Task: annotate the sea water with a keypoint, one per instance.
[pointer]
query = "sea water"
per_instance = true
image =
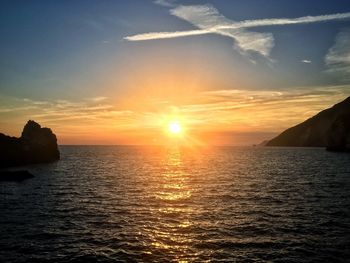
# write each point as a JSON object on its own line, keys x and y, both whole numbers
{"x": 158, "y": 204}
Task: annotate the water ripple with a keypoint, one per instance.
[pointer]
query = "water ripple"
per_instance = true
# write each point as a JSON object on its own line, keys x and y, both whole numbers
{"x": 149, "y": 204}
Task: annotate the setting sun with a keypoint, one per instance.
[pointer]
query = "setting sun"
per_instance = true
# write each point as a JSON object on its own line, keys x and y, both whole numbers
{"x": 174, "y": 127}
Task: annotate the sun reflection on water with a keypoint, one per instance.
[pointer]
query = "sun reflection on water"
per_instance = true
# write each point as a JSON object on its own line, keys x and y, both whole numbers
{"x": 170, "y": 235}
{"x": 174, "y": 179}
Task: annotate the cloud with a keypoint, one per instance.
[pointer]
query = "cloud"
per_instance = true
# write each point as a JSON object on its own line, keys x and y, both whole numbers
{"x": 164, "y": 35}
{"x": 293, "y": 21}
{"x": 97, "y": 99}
{"x": 208, "y": 20}
{"x": 94, "y": 110}
{"x": 338, "y": 56}
{"x": 166, "y": 3}
{"x": 16, "y": 109}
{"x": 306, "y": 61}
{"x": 268, "y": 110}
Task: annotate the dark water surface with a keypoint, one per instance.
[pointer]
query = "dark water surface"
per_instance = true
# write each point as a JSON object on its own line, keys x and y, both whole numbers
{"x": 142, "y": 204}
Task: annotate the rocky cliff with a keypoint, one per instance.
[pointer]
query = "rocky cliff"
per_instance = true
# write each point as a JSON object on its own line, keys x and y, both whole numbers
{"x": 36, "y": 145}
{"x": 330, "y": 128}
{"x": 339, "y": 134}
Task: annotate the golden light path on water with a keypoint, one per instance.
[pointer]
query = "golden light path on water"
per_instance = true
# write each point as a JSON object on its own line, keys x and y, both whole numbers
{"x": 175, "y": 189}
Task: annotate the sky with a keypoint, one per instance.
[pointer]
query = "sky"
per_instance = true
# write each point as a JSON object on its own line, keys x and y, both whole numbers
{"x": 117, "y": 72}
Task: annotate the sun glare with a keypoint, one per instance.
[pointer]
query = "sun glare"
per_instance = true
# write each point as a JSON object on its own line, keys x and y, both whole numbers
{"x": 174, "y": 127}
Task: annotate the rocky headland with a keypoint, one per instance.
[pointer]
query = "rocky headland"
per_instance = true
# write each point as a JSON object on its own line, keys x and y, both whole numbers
{"x": 36, "y": 145}
{"x": 329, "y": 128}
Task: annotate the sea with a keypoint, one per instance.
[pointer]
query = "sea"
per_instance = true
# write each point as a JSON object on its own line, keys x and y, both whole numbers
{"x": 177, "y": 204}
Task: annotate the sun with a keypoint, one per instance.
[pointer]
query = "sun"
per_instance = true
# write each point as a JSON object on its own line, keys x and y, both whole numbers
{"x": 174, "y": 127}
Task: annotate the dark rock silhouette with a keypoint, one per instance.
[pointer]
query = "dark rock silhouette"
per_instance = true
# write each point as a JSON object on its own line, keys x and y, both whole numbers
{"x": 15, "y": 176}
{"x": 330, "y": 128}
{"x": 339, "y": 135}
{"x": 36, "y": 145}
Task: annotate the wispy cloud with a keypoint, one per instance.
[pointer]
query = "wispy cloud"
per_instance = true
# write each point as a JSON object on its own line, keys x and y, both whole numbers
{"x": 268, "y": 110}
{"x": 97, "y": 99}
{"x": 306, "y": 61}
{"x": 166, "y": 3}
{"x": 164, "y": 35}
{"x": 338, "y": 56}
{"x": 208, "y": 20}
{"x": 55, "y": 112}
{"x": 292, "y": 21}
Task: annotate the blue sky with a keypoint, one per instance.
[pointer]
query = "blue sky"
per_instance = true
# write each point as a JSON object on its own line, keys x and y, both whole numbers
{"x": 49, "y": 45}
{"x": 77, "y": 50}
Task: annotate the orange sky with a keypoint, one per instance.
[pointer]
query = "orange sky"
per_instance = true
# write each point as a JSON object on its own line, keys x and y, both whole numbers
{"x": 220, "y": 117}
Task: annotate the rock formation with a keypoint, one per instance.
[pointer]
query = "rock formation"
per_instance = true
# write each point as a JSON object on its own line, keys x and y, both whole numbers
{"x": 339, "y": 135}
{"x": 36, "y": 145}
{"x": 15, "y": 176}
{"x": 329, "y": 128}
